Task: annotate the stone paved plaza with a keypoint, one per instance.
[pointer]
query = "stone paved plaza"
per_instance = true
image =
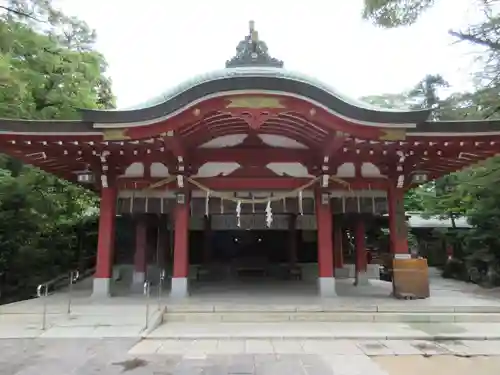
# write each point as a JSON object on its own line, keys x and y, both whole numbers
{"x": 259, "y": 357}
{"x": 99, "y": 338}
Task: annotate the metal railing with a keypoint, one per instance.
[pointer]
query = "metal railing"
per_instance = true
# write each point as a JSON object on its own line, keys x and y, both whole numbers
{"x": 42, "y": 290}
{"x": 160, "y": 287}
{"x": 147, "y": 293}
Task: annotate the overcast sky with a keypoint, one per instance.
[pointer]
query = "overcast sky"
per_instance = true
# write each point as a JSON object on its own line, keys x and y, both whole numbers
{"x": 151, "y": 45}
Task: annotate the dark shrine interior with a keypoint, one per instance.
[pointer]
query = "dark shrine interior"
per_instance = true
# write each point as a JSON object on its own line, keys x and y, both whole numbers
{"x": 226, "y": 246}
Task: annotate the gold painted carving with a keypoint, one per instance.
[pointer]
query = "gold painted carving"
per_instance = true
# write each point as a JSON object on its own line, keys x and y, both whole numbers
{"x": 255, "y": 102}
{"x": 393, "y": 135}
{"x": 114, "y": 135}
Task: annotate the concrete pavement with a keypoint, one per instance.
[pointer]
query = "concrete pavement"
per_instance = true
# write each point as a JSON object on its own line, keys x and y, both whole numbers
{"x": 134, "y": 327}
{"x": 251, "y": 357}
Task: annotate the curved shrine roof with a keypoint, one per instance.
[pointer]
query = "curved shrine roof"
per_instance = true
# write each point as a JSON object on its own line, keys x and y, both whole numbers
{"x": 253, "y": 70}
{"x": 255, "y": 79}
{"x": 329, "y": 127}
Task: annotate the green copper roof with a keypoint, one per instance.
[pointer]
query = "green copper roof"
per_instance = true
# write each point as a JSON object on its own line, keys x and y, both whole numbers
{"x": 252, "y": 59}
{"x": 252, "y": 71}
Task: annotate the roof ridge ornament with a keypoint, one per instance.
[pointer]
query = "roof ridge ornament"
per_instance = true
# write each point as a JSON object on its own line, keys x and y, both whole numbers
{"x": 252, "y": 51}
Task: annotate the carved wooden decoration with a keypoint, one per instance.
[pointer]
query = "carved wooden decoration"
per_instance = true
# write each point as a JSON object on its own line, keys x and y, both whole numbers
{"x": 255, "y": 102}
{"x": 255, "y": 110}
{"x": 115, "y": 135}
{"x": 393, "y": 135}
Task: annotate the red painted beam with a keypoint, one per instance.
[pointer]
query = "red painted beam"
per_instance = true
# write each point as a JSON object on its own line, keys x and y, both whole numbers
{"x": 333, "y": 143}
{"x": 49, "y": 137}
{"x": 174, "y": 145}
{"x": 261, "y": 155}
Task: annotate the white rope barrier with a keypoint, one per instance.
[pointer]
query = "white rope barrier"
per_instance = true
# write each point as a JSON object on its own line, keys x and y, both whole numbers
{"x": 253, "y": 201}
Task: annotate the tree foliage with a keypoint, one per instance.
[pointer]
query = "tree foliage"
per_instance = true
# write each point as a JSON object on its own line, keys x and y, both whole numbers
{"x": 393, "y": 13}
{"x": 472, "y": 193}
{"x": 485, "y": 35}
{"x": 48, "y": 69}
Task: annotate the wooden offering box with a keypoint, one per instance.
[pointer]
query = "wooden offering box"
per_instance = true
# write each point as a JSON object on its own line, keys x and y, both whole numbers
{"x": 410, "y": 278}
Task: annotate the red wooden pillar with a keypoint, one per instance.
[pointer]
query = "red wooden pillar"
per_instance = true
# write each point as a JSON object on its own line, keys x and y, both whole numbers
{"x": 140, "y": 259}
{"x": 105, "y": 243}
{"x": 361, "y": 277}
{"x": 398, "y": 231}
{"x": 338, "y": 259}
{"x": 326, "y": 280}
{"x": 292, "y": 240}
{"x": 180, "y": 272}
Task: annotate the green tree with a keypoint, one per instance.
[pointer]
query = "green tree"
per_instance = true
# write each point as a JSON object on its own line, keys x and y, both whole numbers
{"x": 48, "y": 69}
{"x": 484, "y": 34}
{"x": 425, "y": 94}
{"x": 389, "y": 101}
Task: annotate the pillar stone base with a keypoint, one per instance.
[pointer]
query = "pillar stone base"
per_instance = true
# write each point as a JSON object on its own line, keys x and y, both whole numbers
{"x": 179, "y": 287}
{"x": 326, "y": 286}
{"x": 101, "y": 288}
{"x": 362, "y": 279}
{"x": 138, "y": 279}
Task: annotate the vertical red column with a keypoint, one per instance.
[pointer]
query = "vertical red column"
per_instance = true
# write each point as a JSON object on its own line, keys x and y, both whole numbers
{"x": 361, "y": 254}
{"x": 338, "y": 259}
{"x": 292, "y": 240}
{"x": 105, "y": 243}
{"x": 398, "y": 231}
{"x": 324, "y": 220}
{"x": 141, "y": 228}
{"x": 179, "y": 286}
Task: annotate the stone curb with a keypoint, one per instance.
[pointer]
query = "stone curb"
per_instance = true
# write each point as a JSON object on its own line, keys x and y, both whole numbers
{"x": 340, "y": 317}
{"x": 408, "y": 309}
{"x": 423, "y": 336}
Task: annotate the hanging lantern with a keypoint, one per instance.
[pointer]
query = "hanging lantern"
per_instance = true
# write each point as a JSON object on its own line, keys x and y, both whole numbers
{"x": 181, "y": 198}
{"x": 325, "y": 198}
{"x": 419, "y": 178}
{"x": 85, "y": 177}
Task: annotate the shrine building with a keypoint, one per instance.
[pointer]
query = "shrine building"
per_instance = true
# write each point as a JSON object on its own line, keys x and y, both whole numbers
{"x": 248, "y": 166}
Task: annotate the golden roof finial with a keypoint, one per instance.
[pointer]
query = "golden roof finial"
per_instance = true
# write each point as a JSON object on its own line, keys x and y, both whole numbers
{"x": 254, "y": 35}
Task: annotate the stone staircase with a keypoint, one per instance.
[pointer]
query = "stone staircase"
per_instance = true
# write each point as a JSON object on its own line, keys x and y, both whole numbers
{"x": 307, "y": 313}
